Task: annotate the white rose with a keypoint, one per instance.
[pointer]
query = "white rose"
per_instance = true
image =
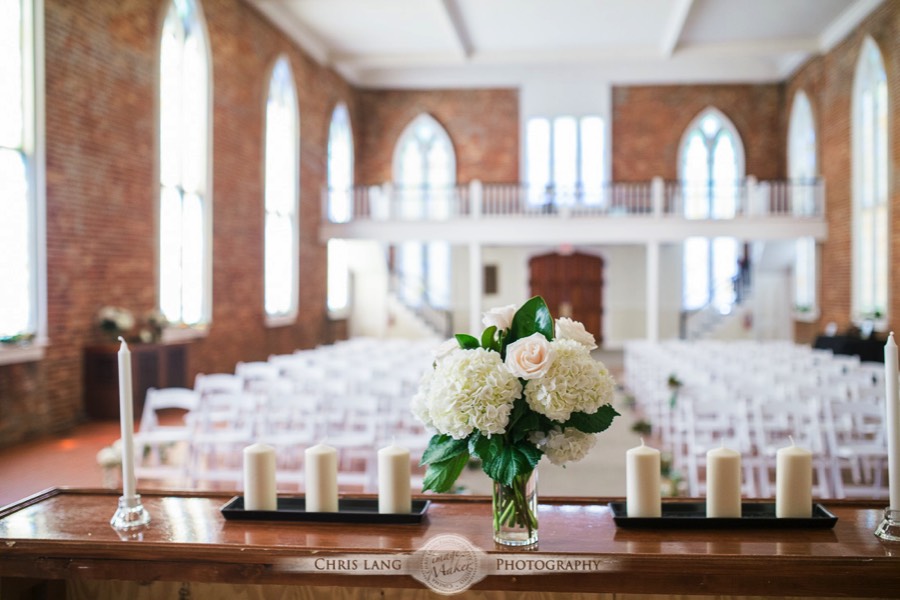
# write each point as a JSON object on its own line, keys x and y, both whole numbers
{"x": 444, "y": 350}
{"x": 501, "y": 317}
{"x": 529, "y": 357}
{"x": 567, "y": 329}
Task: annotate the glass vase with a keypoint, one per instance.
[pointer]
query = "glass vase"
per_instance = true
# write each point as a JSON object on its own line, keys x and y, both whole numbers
{"x": 515, "y": 511}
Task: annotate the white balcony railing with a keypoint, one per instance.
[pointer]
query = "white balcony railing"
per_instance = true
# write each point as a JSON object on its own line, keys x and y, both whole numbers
{"x": 655, "y": 198}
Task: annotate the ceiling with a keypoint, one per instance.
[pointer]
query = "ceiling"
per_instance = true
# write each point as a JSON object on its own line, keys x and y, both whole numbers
{"x": 485, "y": 43}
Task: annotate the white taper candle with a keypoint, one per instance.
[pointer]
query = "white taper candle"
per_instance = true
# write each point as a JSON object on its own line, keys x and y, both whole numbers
{"x": 892, "y": 414}
{"x": 126, "y": 420}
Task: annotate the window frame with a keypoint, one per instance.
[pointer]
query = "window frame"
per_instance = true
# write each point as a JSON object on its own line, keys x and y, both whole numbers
{"x": 290, "y": 316}
{"x": 34, "y": 149}
{"x": 870, "y": 56}
{"x": 548, "y": 193}
{"x": 179, "y": 331}
{"x": 802, "y": 125}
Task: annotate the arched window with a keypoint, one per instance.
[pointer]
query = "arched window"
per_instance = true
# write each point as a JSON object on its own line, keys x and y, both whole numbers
{"x": 711, "y": 167}
{"x": 22, "y": 306}
{"x": 425, "y": 174}
{"x": 282, "y": 160}
{"x": 340, "y": 207}
{"x": 185, "y": 221}
{"x": 802, "y": 171}
{"x": 870, "y": 185}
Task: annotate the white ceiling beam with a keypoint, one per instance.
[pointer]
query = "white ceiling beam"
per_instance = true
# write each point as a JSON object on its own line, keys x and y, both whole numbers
{"x": 281, "y": 15}
{"x": 838, "y": 29}
{"x": 674, "y": 26}
{"x": 458, "y": 24}
{"x": 753, "y": 48}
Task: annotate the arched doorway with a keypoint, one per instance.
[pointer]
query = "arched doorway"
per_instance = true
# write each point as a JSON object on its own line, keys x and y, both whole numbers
{"x": 572, "y": 285}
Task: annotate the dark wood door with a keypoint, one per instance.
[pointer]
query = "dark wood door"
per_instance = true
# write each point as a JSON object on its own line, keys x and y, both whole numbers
{"x": 572, "y": 285}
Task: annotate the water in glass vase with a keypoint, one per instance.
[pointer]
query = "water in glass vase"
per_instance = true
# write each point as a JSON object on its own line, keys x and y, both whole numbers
{"x": 515, "y": 511}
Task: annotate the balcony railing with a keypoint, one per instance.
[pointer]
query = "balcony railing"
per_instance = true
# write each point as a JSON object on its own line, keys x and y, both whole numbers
{"x": 655, "y": 198}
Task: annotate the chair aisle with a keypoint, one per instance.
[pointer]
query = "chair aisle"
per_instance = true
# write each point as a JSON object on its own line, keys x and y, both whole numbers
{"x": 754, "y": 397}
{"x": 353, "y": 395}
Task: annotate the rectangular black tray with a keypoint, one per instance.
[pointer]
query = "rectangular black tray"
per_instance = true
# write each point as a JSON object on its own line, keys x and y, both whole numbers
{"x": 692, "y": 515}
{"x": 350, "y": 510}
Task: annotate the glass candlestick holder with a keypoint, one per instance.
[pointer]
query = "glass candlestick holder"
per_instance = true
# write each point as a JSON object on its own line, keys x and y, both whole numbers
{"x": 130, "y": 513}
{"x": 889, "y": 528}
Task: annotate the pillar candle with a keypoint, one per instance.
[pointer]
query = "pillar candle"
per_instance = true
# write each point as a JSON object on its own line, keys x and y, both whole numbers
{"x": 126, "y": 420}
{"x": 642, "y": 473}
{"x": 394, "y": 488}
{"x": 259, "y": 478}
{"x": 321, "y": 479}
{"x": 893, "y": 420}
{"x": 723, "y": 483}
{"x": 793, "y": 482}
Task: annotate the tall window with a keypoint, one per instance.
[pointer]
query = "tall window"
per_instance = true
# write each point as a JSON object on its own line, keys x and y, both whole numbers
{"x": 340, "y": 190}
{"x": 184, "y": 130}
{"x": 21, "y": 187}
{"x": 282, "y": 194}
{"x": 802, "y": 171}
{"x": 870, "y": 185}
{"x": 425, "y": 174}
{"x": 564, "y": 160}
{"x": 711, "y": 166}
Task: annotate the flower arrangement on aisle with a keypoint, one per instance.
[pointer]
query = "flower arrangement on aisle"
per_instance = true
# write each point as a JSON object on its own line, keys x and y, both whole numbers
{"x": 115, "y": 321}
{"x": 527, "y": 388}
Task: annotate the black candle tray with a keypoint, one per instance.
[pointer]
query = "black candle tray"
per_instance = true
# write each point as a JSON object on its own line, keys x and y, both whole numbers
{"x": 692, "y": 515}
{"x": 350, "y": 510}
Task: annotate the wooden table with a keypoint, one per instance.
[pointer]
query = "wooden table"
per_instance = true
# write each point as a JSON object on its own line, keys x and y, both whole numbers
{"x": 64, "y": 535}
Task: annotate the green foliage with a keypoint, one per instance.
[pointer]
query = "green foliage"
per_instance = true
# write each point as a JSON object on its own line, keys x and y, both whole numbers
{"x": 595, "y": 423}
{"x": 532, "y": 317}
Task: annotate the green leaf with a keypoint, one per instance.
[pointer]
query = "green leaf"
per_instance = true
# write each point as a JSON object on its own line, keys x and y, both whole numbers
{"x": 510, "y": 461}
{"x": 441, "y": 476}
{"x": 528, "y": 423}
{"x": 467, "y": 342}
{"x": 485, "y": 447}
{"x": 443, "y": 447}
{"x": 532, "y": 317}
{"x": 595, "y": 423}
{"x": 487, "y": 337}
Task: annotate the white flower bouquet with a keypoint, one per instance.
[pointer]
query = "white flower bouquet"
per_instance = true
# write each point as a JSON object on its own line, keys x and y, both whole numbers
{"x": 528, "y": 388}
{"x": 115, "y": 321}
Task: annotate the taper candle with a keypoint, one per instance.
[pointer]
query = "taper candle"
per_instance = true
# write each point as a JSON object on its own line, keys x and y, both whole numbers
{"x": 642, "y": 474}
{"x": 793, "y": 482}
{"x": 723, "y": 483}
{"x": 259, "y": 478}
{"x": 126, "y": 420}
{"x": 321, "y": 479}
{"x": 394, "y": 487}
{"x": 892, "y": 414}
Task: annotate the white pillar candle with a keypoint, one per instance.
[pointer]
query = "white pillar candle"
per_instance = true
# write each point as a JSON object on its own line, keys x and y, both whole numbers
{"x": 259, "y": 478}
{"x": 642, "y": 474}
{"x": 893, "y": 420}
{"x": 793, "y": 482}
{"x": 394, "y": 488}
{"x": 126, "y": 420}
{"x": 723, "y": 483}
{"x": 321, "y": 479}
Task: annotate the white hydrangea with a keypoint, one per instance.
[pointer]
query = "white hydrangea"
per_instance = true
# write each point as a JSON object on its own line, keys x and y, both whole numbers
{"x": 575, "y": 382}
{"x": 560, "y": 447}
{"x": 468, "y": 390}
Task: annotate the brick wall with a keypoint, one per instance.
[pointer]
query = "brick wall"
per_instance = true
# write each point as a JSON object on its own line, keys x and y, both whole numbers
{"x": 828, "y": 81}
{"x": 483, "y": 126}
{"x": 648, "y": 122}
{"x": 101, "y": 69}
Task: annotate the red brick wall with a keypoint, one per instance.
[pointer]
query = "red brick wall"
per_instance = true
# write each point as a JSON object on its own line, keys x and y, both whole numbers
{"x": 101, "y": 70}
{"x": 828, "y": 81}
{"x": 483, "y": 126}
{"x": 648, "y": 122}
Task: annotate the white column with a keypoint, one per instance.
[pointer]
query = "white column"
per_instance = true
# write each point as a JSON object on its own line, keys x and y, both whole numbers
{"x": 653, "y": 291}
{"x": 476, "y": 198}
{"x": 657, "y": 195}
{"x": 476, "y": 288}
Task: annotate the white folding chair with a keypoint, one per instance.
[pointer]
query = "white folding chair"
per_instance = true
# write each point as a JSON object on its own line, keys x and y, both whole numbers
{"x": 164, "y": 435}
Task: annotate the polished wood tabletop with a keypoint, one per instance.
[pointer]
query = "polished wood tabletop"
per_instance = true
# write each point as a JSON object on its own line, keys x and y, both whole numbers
{"x": 65, "y": 533}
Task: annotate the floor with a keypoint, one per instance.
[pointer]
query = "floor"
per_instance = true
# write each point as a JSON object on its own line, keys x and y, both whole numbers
{"x": 71, "y": 460}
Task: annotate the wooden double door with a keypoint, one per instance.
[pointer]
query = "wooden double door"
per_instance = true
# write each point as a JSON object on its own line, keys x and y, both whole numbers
{"x": 572, "y": 286}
